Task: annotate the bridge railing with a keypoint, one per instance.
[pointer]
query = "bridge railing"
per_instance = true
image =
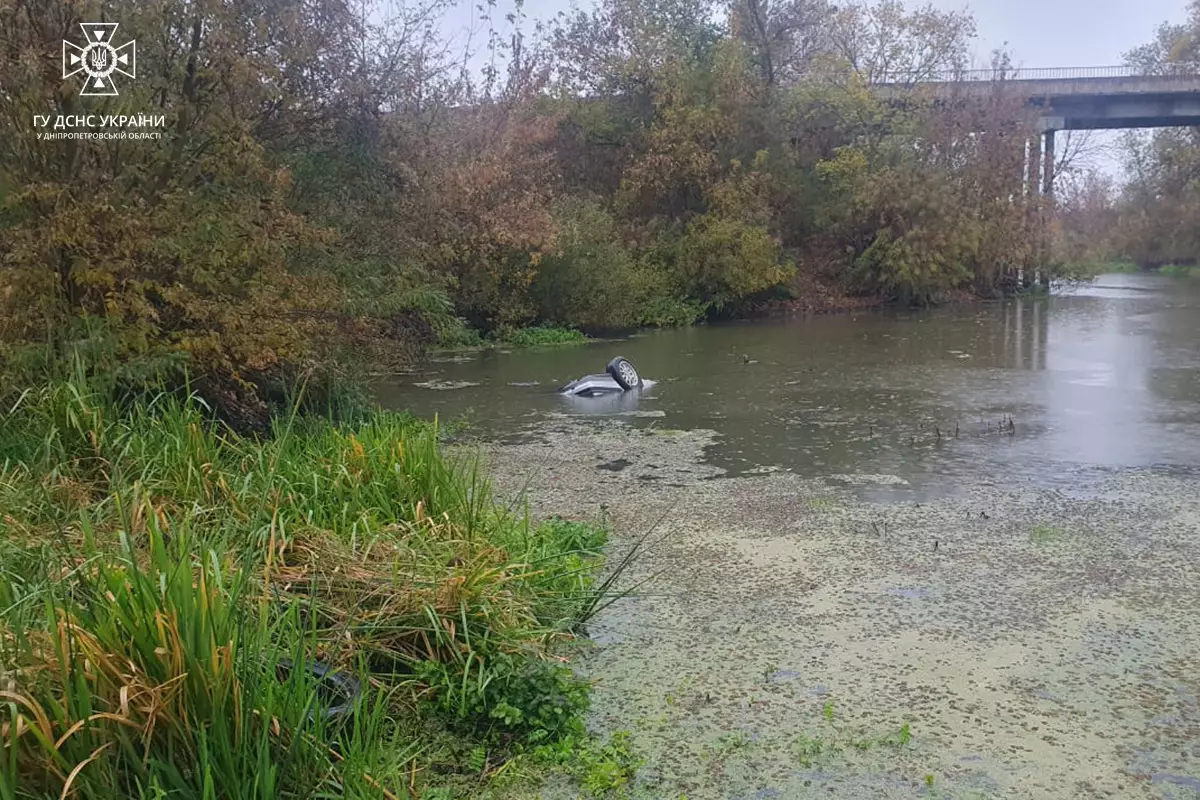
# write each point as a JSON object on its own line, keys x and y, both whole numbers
{"x": 1037, "y": 73}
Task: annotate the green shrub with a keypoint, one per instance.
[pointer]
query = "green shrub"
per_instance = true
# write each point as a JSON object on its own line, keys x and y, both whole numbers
{"x": 539, "y": 335}
{"x": 500, "y": 695}
{"x": 721, "y": 260}
{"x": 459, "y": 335}
{"x": 659, "y": 299}
{"x": 913, "y": 267}
{"x": 605, "y": 769}
{"x": 588, "y": 282}
{"x": 1180, "y": 271}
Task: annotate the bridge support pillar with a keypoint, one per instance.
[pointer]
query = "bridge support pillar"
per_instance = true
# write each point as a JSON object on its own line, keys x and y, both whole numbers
{"x": 1035, "y": 169}
{"x": 1047, "y": 210}
{"x": 1048, "y": 179}
{"x": 1034, "y": 165}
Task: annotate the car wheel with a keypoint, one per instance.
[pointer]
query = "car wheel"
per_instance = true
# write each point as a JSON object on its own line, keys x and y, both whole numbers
{"x": 336, "y": 690}
{"x": 624, "y": 374}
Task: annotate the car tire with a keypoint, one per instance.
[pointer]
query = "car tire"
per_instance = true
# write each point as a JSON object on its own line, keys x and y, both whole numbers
{"x": 339, "y": 690}
{"x": 624, "y": 373}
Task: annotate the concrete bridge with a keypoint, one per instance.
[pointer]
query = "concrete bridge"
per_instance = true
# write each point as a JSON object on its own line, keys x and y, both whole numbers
{"x": 1073, "y": 98}
{"x": 1067, "y": 99}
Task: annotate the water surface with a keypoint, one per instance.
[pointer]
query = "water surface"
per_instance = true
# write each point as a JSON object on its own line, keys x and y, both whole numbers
{"x": 1047, "y": 392}
{"x": 1028, "y": 615}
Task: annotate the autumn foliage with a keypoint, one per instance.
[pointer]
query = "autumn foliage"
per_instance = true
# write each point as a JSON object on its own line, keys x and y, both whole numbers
{"x": 334, "y": 182}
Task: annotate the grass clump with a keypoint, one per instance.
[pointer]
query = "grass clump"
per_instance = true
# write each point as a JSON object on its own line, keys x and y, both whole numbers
{"x": 810, "y": 748}
{"x": 540, "y": 335}
{"x": 1089, "y": 270}
{"x": 1045, "y": 534}
{"x": 602, "y": 768}
{"x": 173, "y": 598}
{"x": 1180, "y": 271}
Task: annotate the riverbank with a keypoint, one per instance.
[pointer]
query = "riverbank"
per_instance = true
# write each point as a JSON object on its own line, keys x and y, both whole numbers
{"x": 796, "y": 640}
{"x": 812, "y": 295}
{"x": 816, "y": 297}
{"x": 329, "y": 609}
{"x": 1091, "y": 270}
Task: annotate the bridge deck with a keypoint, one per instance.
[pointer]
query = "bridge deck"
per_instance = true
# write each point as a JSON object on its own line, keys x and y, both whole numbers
{"x": 1065, "y": 87}
{"x": 1066, "y": 101}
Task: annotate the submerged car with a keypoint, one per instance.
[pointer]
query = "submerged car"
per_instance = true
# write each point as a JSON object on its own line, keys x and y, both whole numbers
{"x": 619, "y": 377}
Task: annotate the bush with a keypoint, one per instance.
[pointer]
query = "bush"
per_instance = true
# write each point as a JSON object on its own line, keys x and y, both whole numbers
{"x": 721, "y": 260}
{"x": 913, "y": 267}
{"x": 460, "y": 335}
{"x": 540, "y": 335}
{"x": 659, "y": 299}
{"x": 589, "y": 281}
{"x": 502, "y": 696}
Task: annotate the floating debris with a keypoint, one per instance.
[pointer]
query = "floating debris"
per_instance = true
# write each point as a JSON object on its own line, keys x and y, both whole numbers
{"x": 745, "y": 588}
{"x": 764, "y": 470}
{"x": 444, "y": 386}
{"x": 860, "y": 479}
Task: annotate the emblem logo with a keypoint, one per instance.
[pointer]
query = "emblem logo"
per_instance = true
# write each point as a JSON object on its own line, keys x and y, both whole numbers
{"x": 99, "y": 59}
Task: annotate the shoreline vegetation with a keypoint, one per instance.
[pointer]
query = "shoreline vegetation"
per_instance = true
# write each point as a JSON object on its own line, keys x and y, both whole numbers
{"x": 183, "y": 609}
{"x": 532, "y": 336}
{"x": 1089, "y": 270}
{"x": 821, "y": 299}
{"x": 816, "y": 298}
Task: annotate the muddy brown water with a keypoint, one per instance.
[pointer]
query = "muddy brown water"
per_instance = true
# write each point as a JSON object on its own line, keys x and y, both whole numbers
{"x": 983, "y": 525}
{"x": 1099, "y": 377}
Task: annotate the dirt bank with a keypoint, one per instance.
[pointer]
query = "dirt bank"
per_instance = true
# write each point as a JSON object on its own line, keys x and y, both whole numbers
{"x": 799, "y": 642}
{"x": 816, "y": 294}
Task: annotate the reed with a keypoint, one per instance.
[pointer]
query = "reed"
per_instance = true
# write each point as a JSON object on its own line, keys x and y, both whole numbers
{"x": 172, "y": 593}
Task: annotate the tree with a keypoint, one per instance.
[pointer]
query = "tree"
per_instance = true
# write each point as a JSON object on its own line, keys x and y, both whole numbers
{"x": 887, "y": 42}
{"x": 785, "y": 38}
{"x": 1160, "y": 202}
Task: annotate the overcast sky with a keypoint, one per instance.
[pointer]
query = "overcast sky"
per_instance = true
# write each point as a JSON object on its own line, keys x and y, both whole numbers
{"x": 1038, "y": 33}
{"x": 1066, "y": 33}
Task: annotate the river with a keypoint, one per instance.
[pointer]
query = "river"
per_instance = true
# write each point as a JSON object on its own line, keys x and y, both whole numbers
{"x": 948, "y": 554}
{"x": 1097, "y": 377}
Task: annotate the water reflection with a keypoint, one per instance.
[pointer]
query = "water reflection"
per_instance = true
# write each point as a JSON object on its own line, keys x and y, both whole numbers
{"x": 605, "y": 404}
{"x": 1044, "y": 390}
{"x": 1026, "y": 326}
{"x": 1096, "y": 404}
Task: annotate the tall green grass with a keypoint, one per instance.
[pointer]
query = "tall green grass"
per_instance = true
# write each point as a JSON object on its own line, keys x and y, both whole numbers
{"x": 535, "y": 336}
{"x": 166, "y": 587}
{"x": 1088, "y": 270}
{"x": 1180, "y": 271}
{"x": 540, "y": 335}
